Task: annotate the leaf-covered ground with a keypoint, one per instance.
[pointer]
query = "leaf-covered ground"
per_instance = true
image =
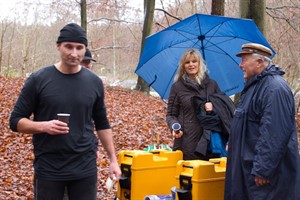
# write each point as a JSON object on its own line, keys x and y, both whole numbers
{"x": 138, "y": 120}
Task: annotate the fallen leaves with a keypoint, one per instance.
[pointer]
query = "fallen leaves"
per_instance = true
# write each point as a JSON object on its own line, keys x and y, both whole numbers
{"x": 137, "y": 120}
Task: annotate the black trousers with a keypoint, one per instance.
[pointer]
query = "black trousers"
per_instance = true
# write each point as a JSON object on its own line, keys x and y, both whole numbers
{"x": 82, "y": 189}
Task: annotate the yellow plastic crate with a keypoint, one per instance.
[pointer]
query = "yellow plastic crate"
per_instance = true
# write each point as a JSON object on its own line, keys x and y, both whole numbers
{"x": 200, "y": 180}
{"x": 147, "y": 173}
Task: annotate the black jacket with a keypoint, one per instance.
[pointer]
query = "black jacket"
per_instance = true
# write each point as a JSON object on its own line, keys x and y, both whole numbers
{"x": 218, "y": 120}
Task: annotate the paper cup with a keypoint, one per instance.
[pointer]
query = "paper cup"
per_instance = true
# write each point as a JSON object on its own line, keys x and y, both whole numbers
{"x": 64, "y": 117}
{"x": 176, "y": 127}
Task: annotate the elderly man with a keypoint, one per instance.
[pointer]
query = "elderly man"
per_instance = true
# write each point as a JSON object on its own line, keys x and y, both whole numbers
{"x": 65, "y": 153}
{"x": 263, "y": 159}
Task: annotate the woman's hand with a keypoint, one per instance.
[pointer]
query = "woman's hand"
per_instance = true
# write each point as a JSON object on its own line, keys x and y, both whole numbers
{"x": 208, "y": 106}
{"x": 177, "y": 134}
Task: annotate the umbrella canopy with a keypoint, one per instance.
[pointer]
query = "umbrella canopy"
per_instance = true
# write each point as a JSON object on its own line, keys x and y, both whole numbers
{"x": 217, "y": 38}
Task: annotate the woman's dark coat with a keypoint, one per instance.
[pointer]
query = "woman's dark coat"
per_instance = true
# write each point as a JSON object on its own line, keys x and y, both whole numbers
{"x": 263, "y": 141}
{"x": 180, "y": 110}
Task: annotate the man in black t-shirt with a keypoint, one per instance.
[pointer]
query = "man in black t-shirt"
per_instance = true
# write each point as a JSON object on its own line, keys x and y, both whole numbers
{"x": 65, "y": 153}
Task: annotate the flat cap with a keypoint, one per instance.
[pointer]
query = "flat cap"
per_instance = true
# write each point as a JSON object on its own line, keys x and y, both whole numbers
{"x": 255, "y": 48}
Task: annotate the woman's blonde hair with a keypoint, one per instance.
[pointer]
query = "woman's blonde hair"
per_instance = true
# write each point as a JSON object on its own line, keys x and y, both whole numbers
{"x": 186, "y": 56}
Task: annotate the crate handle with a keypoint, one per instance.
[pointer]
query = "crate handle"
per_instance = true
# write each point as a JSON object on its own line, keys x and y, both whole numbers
{"x": 127, "y": 155}
{"x": 215, "y": 162}
{"x": 188, "y": 166}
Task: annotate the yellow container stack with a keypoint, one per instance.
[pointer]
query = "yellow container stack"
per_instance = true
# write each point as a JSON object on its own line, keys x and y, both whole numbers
{"x": 200, "y": 180}
{"x": 146, "y": 173}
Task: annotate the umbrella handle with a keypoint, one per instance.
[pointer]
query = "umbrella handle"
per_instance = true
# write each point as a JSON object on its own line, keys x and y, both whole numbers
{"x": 155, "y": 77}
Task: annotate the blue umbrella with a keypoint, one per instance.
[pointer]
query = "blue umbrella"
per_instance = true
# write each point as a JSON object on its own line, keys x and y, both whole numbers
{"x": 218, "y": 39}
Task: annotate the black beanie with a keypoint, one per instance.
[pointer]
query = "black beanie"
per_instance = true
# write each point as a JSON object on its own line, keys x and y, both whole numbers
{"x": 72, "y": 33}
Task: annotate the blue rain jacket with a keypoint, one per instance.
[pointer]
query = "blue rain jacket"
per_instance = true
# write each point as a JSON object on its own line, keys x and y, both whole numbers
{"x": 263, "y": 141}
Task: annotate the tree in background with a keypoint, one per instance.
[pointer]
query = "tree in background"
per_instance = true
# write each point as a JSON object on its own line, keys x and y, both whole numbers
{"x": 252, "y": 9}
{"x": 147, "y": 28}
{"x": 218, "y": 7}
{"x": 83, "y": 14}
{"x": 3, "y": 29}
{"x": 256, "y": 10}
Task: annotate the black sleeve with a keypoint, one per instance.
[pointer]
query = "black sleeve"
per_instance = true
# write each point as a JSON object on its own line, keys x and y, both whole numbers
{"x": 173, "y": 107}
{"x": 99, "y": 110}
{"x": 25, "y": 103}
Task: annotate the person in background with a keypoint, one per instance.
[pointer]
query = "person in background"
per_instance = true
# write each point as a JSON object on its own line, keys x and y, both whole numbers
{"x": 191, "y": 79}
{"x": 263, "y": 159}
{"x": 87, "y": 60}
{"x": 65, "y": 153}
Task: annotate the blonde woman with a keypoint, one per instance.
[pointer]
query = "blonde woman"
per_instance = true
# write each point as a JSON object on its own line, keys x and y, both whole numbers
{"x": 191, "y": 79}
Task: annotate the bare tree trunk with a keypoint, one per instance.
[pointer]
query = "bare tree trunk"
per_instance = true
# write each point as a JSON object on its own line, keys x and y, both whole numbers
{"x": 217, "y": 7}
{"x": 4, "y": 26}
{"x": 252, "y": 9}
{"x": 149, "y": 13}
{"x": 9, "y": 49}
{"x": 83, "y": 14}
{"x": 193, "y": 6}
{"x": 25, "y": 51}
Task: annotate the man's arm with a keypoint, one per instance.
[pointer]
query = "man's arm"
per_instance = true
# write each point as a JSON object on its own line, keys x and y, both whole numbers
{"x": 106, "y": 139}
{"x": 53, "y": 127}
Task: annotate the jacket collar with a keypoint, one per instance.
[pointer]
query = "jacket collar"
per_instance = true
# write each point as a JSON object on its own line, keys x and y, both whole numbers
{"x": 270, "y": 70}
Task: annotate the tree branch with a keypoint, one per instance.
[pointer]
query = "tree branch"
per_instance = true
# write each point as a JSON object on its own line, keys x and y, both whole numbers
{"x": 158, "y": 24}
{"x": 283, "y": 7}
{"x": 175, "y": 17}
{"x": 110, "y": 47}
{"x": 115, "y": 20}
{"x": 277, "y": 14}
